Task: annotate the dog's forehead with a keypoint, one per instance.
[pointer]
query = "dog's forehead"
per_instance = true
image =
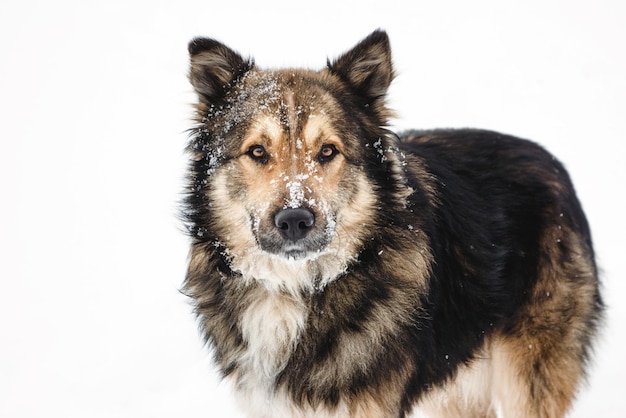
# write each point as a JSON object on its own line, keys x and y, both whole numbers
{"x": 276, "y": 83}
{"x": 287, "y": 102}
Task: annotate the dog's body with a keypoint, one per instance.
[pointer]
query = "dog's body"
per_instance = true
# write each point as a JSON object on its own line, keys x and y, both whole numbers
{"x": 339, "y": 270}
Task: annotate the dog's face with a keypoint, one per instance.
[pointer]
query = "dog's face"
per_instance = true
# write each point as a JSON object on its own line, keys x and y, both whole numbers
{"x": 280, "y": 156}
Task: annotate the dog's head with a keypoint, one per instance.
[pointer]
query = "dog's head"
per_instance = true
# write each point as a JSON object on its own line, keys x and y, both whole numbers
{"x": 283, "y": 159}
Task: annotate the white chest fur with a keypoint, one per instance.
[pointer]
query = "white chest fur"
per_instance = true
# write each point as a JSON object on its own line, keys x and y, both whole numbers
{"x": 271, "y": 326}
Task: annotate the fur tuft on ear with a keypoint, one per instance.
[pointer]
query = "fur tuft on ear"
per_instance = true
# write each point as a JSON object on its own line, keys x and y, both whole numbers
{"x": 367, "y": 67}
{"x": 214, "y": 68}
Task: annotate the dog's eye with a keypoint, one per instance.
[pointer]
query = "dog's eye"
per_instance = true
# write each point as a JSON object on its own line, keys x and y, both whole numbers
{"x": 327, "y": 153}
{"x": 258, "y": 153}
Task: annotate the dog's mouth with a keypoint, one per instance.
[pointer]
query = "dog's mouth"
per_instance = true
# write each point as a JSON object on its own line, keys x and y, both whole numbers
{"x": 295, "y": 233}
{"x": 295, "y": 252}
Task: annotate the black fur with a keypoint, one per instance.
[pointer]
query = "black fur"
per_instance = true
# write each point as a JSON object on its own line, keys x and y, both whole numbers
{"x": 493, "y": 209}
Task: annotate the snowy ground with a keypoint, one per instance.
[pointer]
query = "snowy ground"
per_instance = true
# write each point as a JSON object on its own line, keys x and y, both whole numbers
{"x": 94, "y": 103}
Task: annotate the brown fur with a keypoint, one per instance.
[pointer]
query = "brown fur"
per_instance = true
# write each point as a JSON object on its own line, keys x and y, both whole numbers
{"x": 451, "y": 270}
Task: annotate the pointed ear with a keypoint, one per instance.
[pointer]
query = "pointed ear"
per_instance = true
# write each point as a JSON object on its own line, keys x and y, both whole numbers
{"x": 367, "y": 67}
{"x": 214, "y": 68}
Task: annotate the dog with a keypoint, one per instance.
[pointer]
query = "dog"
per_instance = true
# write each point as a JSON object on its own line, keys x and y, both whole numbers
{"x": 340, "y": 270}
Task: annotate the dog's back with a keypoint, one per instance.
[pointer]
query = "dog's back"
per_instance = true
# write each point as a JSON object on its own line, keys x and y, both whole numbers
{"x": 518, "y": 257}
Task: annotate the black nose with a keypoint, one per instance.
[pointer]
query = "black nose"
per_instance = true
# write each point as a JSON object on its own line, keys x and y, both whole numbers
{"x": 294, "y": 223}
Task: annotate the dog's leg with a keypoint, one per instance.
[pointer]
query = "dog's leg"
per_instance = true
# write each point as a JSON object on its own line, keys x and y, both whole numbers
{"x": 536, "y": 384}
{"x": 466, "y": 395}
{"x": 539, "y": 362}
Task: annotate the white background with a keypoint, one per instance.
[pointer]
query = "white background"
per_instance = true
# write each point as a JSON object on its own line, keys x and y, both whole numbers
{"x": 94, "y": 104}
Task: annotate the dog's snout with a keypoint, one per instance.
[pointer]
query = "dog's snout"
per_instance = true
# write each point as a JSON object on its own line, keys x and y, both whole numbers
{"x": 294, "y": 223}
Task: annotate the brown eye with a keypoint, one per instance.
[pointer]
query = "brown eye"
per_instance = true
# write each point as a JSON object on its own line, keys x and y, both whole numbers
{"x": 258, "y": 153}
{"x": 327, "y": 153}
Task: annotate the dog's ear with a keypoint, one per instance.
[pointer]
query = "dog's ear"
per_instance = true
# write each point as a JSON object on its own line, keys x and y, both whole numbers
{"x": 367, "y": 67}
{"x": 215, "y": 68}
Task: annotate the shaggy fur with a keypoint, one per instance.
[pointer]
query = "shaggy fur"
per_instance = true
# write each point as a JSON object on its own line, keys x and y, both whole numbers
{"x": 340, "y": 270}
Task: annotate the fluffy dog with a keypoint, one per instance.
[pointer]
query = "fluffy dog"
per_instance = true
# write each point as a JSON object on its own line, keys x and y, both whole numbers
{"x": 341, "y": 270}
